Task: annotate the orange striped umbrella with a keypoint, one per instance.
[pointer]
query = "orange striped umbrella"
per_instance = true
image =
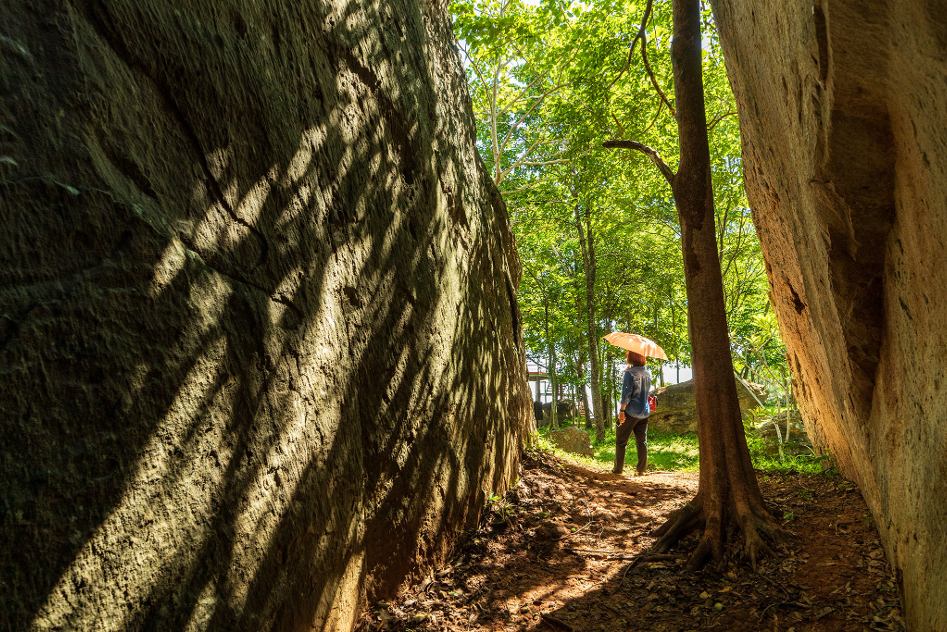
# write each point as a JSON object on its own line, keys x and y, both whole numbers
{"x": 636, "y": 343}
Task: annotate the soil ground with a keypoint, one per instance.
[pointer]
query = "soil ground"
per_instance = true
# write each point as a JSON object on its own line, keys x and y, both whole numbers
{"x": 562, "y": 551}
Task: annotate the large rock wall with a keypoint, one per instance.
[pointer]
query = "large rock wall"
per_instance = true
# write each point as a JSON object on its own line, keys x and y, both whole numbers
{"x": 843, "y": 112}
{"x": 260, "y": 350}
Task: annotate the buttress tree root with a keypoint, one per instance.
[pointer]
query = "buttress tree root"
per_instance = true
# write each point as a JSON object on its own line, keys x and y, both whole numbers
{"x": 720, "y": 521}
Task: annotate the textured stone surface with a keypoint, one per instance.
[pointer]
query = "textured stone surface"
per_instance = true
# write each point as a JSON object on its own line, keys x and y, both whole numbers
{"x": 677, "y": 406}
{"x": 259, "y": 345}
{"x": 571, "y": 439}
{"x": 842, "y": 107}
{"x": 565, "y": 410}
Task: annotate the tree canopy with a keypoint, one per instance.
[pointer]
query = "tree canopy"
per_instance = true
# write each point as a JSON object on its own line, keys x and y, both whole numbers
{"x": 597, "y": 232}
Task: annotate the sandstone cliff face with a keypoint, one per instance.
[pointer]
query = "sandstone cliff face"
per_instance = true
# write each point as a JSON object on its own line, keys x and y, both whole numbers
{"x": 260, "y": 347}
{"x": 842, "y": 108}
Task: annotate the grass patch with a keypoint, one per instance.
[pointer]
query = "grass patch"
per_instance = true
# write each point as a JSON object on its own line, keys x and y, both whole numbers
{"x": 763, "y": 458}
{"x": 668, "y": 451}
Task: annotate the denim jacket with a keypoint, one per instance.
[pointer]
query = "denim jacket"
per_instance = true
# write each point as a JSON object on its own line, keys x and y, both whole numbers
{"x": 634, "y": 391}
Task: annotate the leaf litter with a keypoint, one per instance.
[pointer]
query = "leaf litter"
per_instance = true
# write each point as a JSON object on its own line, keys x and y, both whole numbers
{"x": 566, "y": 550}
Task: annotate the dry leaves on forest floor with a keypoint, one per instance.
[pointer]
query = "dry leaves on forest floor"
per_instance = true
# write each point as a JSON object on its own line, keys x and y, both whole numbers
{"x": 561, "y": 552}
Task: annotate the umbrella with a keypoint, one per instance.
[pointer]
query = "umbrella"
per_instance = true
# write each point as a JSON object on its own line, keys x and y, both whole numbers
{"x": 636, "y": 343}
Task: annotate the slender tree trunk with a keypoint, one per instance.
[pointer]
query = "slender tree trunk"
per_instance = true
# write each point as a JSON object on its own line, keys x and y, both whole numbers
{"x": 587, "y": 246}
{"x": 612, "y": 387}
{"x": 606, "y": 404}
{"x": 786, "y": 392}
{"x": 551, "y": 367}
{"x": 580, "y": 369}
{"x": 728, "y": 494}
{"x": 575, "y": 398}
{"x": 606, "y": 381}
{"x": 553, "y": 385}
{"x": 580, "y": 365}
{"x": 660, "y": 362}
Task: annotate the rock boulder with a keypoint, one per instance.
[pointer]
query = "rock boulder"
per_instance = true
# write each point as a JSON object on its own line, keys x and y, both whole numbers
{"x": 259, "y": 314}
{"x": 564, "y": 410}
{"x": 842, "y": 107}
{"x": 677, "y": 411}
{"x": 573, "y": 440}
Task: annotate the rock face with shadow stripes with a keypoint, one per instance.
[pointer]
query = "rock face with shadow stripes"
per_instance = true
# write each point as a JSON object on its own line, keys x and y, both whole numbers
{"x": 842, "y": 106}
{"x": 261, "y": 353}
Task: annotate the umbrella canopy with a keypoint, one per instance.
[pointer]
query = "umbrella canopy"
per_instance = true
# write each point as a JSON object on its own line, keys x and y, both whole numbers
{"x": 636, "y": 343}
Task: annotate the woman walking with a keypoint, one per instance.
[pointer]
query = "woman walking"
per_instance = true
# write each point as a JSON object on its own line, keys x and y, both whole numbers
{"x": 634, "y": 413}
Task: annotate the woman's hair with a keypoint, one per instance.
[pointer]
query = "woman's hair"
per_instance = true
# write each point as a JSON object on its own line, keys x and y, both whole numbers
{"x": 635, "y": 358}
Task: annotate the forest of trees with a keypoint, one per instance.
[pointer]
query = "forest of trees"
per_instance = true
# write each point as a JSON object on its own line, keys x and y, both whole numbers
{"x": 597, "y": 230}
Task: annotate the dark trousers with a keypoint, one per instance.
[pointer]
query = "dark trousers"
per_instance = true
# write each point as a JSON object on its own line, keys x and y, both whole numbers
{"x": 638, "y": 425}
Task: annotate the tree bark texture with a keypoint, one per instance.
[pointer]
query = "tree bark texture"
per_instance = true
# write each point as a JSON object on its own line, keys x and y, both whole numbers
{"x": 260, "y": 347}
{"x": 587, "y": 245}
{"x": 842, "y": 110}
{"x": 728, "y": 492}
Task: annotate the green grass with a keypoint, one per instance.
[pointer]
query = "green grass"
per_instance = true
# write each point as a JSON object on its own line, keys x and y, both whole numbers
{"x": 666, "y": 451}
{"x": 674, "y": 452}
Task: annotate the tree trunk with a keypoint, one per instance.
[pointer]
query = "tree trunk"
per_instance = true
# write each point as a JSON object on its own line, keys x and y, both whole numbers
{"x": 587, "y": 246}
{"x": 580, "y": 366}
{"x": 551, "y": 368}
{"x": 728, "y": 494}
{"x": 660, "y": 362}
{"x": 606, "y": 407}
{"x": 610, "y": 393}
{"x": 580, "y": 369}
{"x": 553, "y": 386}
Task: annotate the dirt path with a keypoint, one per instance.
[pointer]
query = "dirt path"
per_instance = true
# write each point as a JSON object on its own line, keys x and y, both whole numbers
{"x": 560, "y": 553}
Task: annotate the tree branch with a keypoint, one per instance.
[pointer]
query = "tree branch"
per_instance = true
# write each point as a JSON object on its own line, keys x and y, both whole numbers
{"x": 654, "y": 81}
{"x": 523, "y": 94}
{"x": 654, "y": 120}
{"x": 522, "y": 117}
{"x": 647, "y": 151}
{"x": 473, "y": 64}
{"x": 558, "y": 161}
{"x": 631, "y": 49}
{"x": 717, "y": 119}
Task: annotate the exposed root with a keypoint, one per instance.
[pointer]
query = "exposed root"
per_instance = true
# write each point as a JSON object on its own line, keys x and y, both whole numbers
{"x": 709, "y": 548}
{"x": 773, "y": 531}
{"x": 680, "y": 523}
{"x": 753, "y": 545}
{"x": 754, "y": 526}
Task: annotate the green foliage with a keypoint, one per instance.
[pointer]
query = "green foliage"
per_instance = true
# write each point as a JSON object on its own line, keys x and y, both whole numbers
{"x": 550, "y": 81}
{"x": 765, "y": 460}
